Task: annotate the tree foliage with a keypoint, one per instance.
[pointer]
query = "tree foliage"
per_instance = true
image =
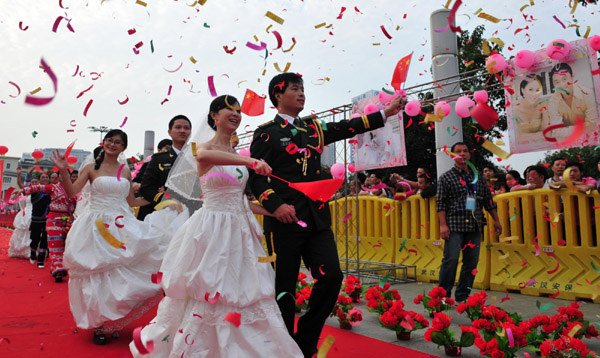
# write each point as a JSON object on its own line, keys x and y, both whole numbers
{"x": 587, "y": 156}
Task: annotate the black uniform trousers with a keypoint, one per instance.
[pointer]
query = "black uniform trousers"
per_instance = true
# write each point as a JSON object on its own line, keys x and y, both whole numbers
{"x": 319, "y": 252}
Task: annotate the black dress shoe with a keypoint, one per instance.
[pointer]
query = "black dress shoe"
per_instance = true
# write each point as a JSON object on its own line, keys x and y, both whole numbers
{"x": 58, "y": 277}
{"x": 99, "y": 338}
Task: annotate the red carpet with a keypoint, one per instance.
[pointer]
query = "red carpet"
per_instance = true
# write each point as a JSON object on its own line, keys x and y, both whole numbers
{"x": 35, "y": 321}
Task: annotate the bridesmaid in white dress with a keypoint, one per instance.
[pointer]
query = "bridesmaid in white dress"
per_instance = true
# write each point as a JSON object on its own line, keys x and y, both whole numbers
{"x": 20, "y": 240}
{"x": 111, "y": 256}
{"x": 220, "y": 300}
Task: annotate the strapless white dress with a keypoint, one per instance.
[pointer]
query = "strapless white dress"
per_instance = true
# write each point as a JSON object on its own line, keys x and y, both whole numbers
{"x": 216, "y": 253}
{"x": 20, "y": 240}
{"x": 110, "y": 286}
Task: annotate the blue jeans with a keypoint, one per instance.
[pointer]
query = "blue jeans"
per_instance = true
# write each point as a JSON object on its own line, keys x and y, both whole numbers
{"x": 452, "y": 248}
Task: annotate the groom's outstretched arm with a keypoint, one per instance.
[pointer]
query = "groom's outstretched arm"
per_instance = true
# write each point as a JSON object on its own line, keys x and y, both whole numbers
{"x": 259, "y": 184}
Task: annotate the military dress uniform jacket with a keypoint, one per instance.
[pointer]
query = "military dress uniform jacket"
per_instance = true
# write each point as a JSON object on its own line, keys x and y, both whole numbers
{"x": 155, "y": 177}
{"x": 294, "y": 154}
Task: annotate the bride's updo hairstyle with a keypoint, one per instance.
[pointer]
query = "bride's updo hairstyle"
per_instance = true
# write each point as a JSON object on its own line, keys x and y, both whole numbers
{"x": 224, "y": 101}
{"x": 111, "y": 133}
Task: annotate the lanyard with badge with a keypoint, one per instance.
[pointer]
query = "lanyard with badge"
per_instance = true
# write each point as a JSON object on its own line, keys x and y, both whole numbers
{"x": 470, "y": 202}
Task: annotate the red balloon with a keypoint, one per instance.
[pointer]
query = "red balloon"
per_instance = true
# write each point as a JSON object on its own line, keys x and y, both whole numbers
{"x": 37, "y": 155}
{"x": 3, "y": 150}
{"x": 484, "y": 115}
{"x": 72, "y": 160}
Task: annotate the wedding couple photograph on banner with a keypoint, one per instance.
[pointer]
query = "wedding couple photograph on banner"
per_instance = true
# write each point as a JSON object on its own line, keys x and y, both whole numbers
{"x": 555, "y": 99}
{"x": 383, "y": 147}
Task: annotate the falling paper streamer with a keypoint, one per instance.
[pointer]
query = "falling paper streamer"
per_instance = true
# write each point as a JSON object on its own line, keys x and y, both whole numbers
{"x": 43, "y": 101}
{"x": 119, "y": 171}
{"x": 274, "y": 17}
{"x": 326, "y": 346}
{"x": 211, "y": 86}
{"x": 156, "y": 277}
{"x": 213, "y": 300}
{"x": 551, "y": 254}
{"x": 112, "y": 241}
{"x": 522, "y": 285}
{"x": 165, "y": 203}
{"x": 137, "y": 341}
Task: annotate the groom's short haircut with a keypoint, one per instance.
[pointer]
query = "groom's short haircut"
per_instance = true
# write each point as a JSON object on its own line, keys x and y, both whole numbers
{"x": 280, "y": 82}
{"x": 179, "y": 116}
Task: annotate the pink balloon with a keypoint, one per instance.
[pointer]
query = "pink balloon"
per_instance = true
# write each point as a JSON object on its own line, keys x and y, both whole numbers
{"x": 413, "y": 108}
{"x": 244, "y": 152}
{"x": 371, "y": 108}
{"x": 558, "y": 49}
{"x": 338, "y": 171}
{"x": 524, "y": 59}
{"x": 463, "y": 106}
{"x": 595, "y": 42}
{"x": 495, "y": 63}
{"x": 442, "y": 108}
{"x": 351, "y": 168}
{"x": 480, "y": 96}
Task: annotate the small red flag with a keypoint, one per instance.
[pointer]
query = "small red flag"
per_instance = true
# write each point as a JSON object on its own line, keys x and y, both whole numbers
{"x": 401, "y": 71}
{"x": 253, "y": 105}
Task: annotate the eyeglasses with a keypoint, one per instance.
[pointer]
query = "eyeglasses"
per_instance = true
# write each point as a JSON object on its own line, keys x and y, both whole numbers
{"x": 113, "y": 141}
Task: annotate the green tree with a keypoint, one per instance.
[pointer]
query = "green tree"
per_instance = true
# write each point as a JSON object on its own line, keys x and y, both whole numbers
{"x": 587, "y": 156}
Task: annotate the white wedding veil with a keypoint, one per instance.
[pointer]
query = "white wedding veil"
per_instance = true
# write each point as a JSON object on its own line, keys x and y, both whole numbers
{"x": 183, "y": 178}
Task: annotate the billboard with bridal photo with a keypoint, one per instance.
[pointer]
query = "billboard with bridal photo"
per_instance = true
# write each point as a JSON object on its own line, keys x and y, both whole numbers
{"x": 380, "y": 148}
{"x": 555, "y": 102}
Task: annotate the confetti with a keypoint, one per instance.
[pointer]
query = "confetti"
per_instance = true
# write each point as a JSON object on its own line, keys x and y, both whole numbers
{"x": 301, "y": 223}
{"x": 488, "y": 17}
{"x": 175, "y": 70}
{"x": 124, "y": 121}
{"x": 157, "y": 278}
{"x": 274, "y": 17}
{"x": 501, "y": 153}
{"x": 57, "y": 22}
{"x": 165, "y": 203}
{"x": 140, "y": 2}
{"x": 212, "y": 301}
{"x": 87, "y": 107}
{"x": 594, "y": 267}
{"x": 452, "y": 16}
{"x": 137, "y": 340}
{"x": 403, "y": 244}
{"x": 21, "y": 26}
{"x": 119, "y": 171}
{"x": 108, "y": 237}
{"x": 522, "y": 285}
{"x": 291, "y": 47}
{"x": 234, "y": 318}
{"x": 211, "y": 86}
{"x": 321, "y": 269}
{"x": 555, "y": 294}
{"x": 18, "y": 90}
{"x": 263, "y": 46}
{"x": 347, "y": 217}
{"x": 326, "y": 346}
{"x": 385, "y": 32}
{"x": 43, "y": 101}
{"x": 551, "y": 254}
{"x": 117, "y": 224}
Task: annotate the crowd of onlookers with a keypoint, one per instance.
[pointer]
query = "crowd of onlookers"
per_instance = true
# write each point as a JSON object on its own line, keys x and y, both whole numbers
{"x": 499, "y": 182}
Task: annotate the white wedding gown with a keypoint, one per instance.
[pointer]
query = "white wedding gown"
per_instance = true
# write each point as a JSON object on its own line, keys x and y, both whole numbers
{"x": 216, "y": 253}
{"x": 20, "y": 240}
{"x": 111, "y": 286}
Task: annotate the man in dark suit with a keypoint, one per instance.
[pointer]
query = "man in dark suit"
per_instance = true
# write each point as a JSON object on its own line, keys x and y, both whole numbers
{"x": 292, "y": 147}
{"x": 157, "y": 171}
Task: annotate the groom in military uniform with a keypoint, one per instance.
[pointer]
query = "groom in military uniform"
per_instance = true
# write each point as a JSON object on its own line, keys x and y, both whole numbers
{"x": 292, "y": 146}
{"x": 155, "y": 176}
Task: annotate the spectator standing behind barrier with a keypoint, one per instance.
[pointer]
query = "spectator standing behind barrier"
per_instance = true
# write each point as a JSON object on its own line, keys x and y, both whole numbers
{"x": 426, "y": 188}
{"x": 488, "y": 174}
{"x": 558, "y": 168}
{"x": 513, "y": 178}
{"x": 582, "y": 184}
{"x": 536, "y": 178}
{"x": 459, "y": 204}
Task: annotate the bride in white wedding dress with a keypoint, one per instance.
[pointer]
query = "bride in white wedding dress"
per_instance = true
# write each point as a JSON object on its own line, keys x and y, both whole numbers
{"x": 111, "y": 256}
{"x": 220, "y": 300}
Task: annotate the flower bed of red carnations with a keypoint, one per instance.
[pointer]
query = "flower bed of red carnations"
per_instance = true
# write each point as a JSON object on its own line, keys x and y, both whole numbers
{"x": 496, "y": 332}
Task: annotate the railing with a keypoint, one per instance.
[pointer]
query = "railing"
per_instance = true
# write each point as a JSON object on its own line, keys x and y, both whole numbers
{"x": 549, "y": 245}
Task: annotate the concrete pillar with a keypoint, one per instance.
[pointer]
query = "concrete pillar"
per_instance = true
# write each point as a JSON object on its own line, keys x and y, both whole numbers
{"x": 444, "y": 63}
{"x": 148, "y": 143}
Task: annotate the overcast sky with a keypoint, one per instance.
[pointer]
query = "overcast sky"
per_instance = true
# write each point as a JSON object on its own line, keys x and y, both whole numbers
{"x": 346, "y": 53}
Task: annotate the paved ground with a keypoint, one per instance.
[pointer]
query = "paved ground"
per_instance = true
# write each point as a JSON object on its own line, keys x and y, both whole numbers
{"x": 525, "y": 305}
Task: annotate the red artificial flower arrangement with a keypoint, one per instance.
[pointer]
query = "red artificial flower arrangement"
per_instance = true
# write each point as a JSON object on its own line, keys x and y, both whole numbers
{"x": 345, "y": 313}
{"x": 380, "y": 299}
{"x": 303, "y": 291}
{"x": 435, "y": 301}
{"x": 566, "y": 346}
{"x": 505, "y": 342}
{"x": 440, "y": 333}
{"x": 352, "y": 287}
{"x": 474, "y": 306}
{"x": 399, "y": 320}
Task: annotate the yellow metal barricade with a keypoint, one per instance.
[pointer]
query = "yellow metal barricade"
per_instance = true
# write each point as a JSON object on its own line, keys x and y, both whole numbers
{"x": 549, "y": 243}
